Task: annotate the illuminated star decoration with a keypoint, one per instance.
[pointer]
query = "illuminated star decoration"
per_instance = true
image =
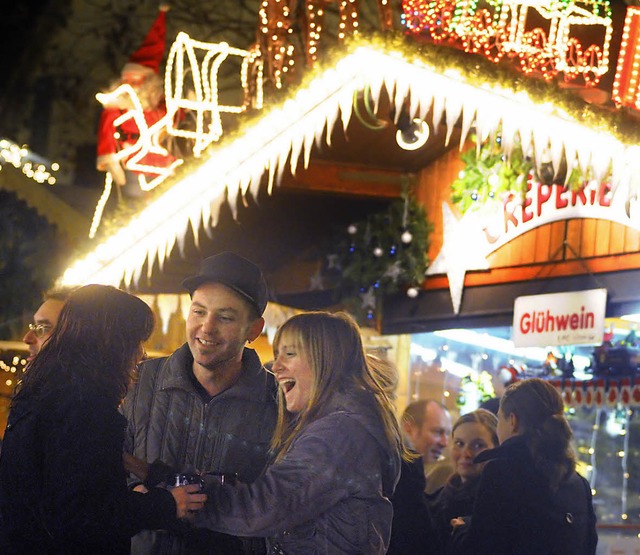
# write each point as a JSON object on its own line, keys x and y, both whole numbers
{"x": 369, "y": 298}
{"x": 316, "y": 282}
{"x": 394, "y": 271}
{"x": 333, "y": 261}
{"x": 460, "y": 252}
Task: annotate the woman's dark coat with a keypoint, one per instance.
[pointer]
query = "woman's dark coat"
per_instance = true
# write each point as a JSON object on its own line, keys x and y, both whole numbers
{"x": 62, "y": 482}
{"x": 516, "y": 513}
{"x": 453, "y": 500}
{"x": 412, "y": 531}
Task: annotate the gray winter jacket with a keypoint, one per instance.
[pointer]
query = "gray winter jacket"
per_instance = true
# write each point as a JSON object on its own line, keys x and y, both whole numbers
{"x": 168, "y": 420}
{"x": 327, "y": 495}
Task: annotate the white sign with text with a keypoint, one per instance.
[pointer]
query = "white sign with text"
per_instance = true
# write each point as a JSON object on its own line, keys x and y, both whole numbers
{"x": 575, "y": 318}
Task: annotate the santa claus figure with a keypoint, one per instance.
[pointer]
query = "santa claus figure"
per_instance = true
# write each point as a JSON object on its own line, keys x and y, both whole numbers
{"x": 124, "y": 149}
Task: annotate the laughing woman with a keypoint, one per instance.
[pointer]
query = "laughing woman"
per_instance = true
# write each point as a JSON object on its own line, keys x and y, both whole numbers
{"x": 337, "y": 449}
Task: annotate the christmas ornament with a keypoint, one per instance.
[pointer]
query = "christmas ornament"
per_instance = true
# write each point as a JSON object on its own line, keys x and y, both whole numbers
{"x": 391, "y": 266}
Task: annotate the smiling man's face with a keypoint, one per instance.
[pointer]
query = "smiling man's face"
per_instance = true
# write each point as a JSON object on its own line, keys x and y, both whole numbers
{"x": 219, "y": 324}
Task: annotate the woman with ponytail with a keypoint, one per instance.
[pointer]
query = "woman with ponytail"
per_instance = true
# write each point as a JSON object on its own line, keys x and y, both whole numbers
{"x": 530, "y": 500}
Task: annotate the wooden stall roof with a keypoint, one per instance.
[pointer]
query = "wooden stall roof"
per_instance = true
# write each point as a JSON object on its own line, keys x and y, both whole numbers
{"x": 312, "y": 162}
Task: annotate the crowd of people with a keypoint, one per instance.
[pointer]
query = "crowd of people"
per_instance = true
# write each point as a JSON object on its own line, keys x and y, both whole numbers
{"x": 208, "y": 451}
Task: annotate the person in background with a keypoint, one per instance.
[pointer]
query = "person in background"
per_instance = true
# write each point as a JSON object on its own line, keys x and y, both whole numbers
{"x": 45, "y": 319}
{"x": 63, "y": 486}
{"x": 411, "y": 529}
{"x": 210, "y": 406}
{"x": 337, "y": 449}
{"x": 427, "y": 426}
{"x": 530, "y": 498}
{"x": 473, "y": 433}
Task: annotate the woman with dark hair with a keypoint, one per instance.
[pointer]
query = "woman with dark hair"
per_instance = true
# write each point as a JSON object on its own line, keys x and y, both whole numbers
{"x": 336, "y": 446}
{"x": 62, "y": 481}
{"x": 530, "y": 499}
{"x": 473, "y": 433}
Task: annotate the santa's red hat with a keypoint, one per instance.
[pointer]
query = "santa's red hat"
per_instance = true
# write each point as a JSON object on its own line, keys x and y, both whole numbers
{"x": 148, "y": 57}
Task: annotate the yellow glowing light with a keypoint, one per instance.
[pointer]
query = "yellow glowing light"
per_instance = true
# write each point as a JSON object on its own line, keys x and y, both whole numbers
{"x": 22, "y": 158}
{"x": 285, "y": 137}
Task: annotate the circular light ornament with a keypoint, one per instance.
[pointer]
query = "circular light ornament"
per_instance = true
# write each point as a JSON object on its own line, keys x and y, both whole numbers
{"x": 414, "y": 136}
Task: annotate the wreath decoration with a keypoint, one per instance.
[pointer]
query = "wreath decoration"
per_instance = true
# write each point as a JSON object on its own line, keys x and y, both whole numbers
{"x": 380, "y": 255}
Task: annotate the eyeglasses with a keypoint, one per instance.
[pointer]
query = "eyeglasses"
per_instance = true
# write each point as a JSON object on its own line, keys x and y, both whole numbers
{"x": 40, "y": 330}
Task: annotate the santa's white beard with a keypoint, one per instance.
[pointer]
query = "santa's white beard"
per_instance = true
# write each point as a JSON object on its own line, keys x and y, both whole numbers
{"x": 150, "y": 93}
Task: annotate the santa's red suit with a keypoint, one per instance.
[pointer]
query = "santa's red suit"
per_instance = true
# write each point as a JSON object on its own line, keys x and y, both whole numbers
{"x": 112, "y": 139}
{"x": 141, "y": 72}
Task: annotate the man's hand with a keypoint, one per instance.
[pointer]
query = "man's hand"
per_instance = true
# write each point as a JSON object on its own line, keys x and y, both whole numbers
{"x": 188, "y": 499}
{"x": 135, "y": 466}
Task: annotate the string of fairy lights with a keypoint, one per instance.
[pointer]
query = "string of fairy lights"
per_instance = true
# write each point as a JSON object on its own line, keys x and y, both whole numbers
{"x": 31, "y": 165}
{"x": 13, "y": 370}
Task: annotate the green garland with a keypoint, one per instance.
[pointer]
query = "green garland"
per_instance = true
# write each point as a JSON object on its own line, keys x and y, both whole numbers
{"x": 381, "y": 255}
{"x": 489, "y": 175}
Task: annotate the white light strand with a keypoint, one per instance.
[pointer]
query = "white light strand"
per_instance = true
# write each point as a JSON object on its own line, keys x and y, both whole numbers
{"x": 300, "y": 122}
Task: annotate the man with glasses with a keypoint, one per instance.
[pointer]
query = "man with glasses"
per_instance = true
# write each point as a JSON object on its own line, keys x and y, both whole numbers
{"x": 45, "y": 319}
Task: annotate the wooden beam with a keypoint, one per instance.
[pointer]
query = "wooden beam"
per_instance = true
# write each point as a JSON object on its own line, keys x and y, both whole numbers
{"x": 69, "y": 221}
{"x": 540, "y": 271}
{"x": 344, "y": 179}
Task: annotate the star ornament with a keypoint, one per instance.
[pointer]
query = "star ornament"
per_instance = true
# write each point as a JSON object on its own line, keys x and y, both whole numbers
{"x": 394, "y": 271}
{"x": 316, "y": 282}
{"x": 333, "y": 261}
{"x": 463, "y": 249}
{"x": 369, "y": 298}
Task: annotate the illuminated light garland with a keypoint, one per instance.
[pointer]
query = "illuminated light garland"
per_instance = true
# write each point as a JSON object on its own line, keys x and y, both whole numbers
{"x": 288, "y": 133}
{"x": 506, "y": 30}
{"x": 97, "y": 214}
{"x": 29, "y": 163}
{"x": 277, "y": 25}
{"x": 626, "y": 89}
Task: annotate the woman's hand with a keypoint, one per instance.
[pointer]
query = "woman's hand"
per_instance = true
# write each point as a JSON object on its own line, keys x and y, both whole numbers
{"x": 455, "y": 522}
{"x": 188, "y": 499}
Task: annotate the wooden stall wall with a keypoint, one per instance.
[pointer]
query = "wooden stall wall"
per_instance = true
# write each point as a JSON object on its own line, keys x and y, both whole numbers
{"x": 570, "y": 247}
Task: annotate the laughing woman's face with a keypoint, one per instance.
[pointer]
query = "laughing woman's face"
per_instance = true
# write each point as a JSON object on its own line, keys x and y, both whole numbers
{"x": 294, "y": 375}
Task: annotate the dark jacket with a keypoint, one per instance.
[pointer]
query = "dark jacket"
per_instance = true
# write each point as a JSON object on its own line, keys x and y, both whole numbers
{"x": 516, "y": 513}
{"x": 172, "y": 421}
{"x": 412, "y": 531}
{"x": 63, "y": 486}
{"x": 328, "y": 494}
{"x": 452, "y": 500}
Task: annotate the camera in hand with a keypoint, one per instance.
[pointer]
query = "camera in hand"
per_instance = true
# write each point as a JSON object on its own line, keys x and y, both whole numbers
{"x": 186, "y": 479}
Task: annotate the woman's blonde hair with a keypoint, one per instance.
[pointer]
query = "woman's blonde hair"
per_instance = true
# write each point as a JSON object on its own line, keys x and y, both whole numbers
{"x": 332, "y": 346}
{"x": 540, "y": 411}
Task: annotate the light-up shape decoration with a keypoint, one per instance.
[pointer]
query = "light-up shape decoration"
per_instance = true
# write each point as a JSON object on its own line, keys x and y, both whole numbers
{"x": 138, "y": 157}
{"x": 541, "y": 34}
{"x": 626, "y": 89}
{"x": 191, "y": 83}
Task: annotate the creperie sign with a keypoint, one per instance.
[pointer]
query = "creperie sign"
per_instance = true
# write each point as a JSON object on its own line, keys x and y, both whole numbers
{"x": 575, "y": 318}
{"x": 543, "y": 204}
